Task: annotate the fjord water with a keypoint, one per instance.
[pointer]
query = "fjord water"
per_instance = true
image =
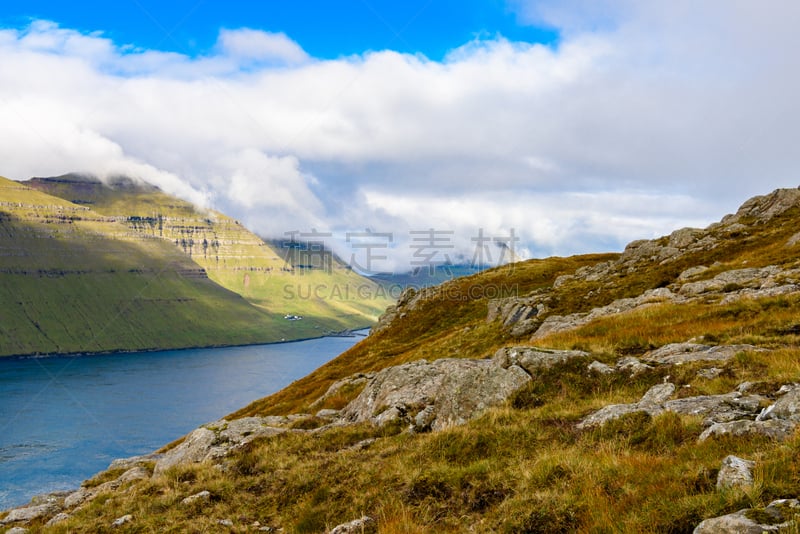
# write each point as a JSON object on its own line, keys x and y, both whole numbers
{"x": 62, "y": 419}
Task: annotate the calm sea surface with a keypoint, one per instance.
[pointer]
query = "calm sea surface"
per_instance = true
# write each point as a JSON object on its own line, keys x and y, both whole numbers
{"x": 62, "y": 419}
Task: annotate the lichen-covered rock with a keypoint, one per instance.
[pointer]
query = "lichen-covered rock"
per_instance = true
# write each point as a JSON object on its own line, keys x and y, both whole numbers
{"x": 120, "y": 521}
{"x": 786, "y": 407}
{"x": 534, "y": 359}
{"x": 650, "y": 403}
{"x": 347, "y": 383}
{"x": 203, "y": 496}
{"x": 678, "y": 353}
{"x": 363, "y": 525}
{"x": 717, "y": 408}
{"x": 29, "y": 513}
{"x": 451, "y": 390}
{"x": 600, "y": 368}
{"x": 631, "y": 365}
{"x": 735, "y": 472}
{"x": 774, "y": 518}
{"x": 193, "y": 449}
{"x": 774, "y": 429}
{"x": 56, "y": 519}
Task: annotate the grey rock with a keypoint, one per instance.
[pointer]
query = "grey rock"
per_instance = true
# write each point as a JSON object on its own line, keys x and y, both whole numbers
{"x": 691, "y": 272}
{"x": 600, "y": 368}
{"x": 717, "y": 408}
{"x": 203, "y": 496}
{"x": 780, "y": 514}
{"x": 735, "y": 523}
{"x": 679, "y": 353}
{"x": 631, "y": 365}
{"x": 58, "y": 518}
{"x": 787, "y": 407}
{"x": 614, "y": 411}
{"x": 456, "y": 389}
{"x": 193, "y": 449}
{"x": 534, "y": 359}
{"x": 649, "y": 403}
{"x": 16, "y": 530}
{"x": 77, "y": 498}
{"x": 562, "y": 323}
{"x": 735, "y": 279}
{"x": 710, "y": 373}
{"x": 136, "y": 473}
{"x": 120, "y": 521}
{"x": 327, "y": 414}
{"x": 776, "y": 291}
{"x": 29, "y": 513}
{"x": 513, "y": 310}
{"x": 350, "y": 382}
{"x": 735, "y": 473}
{"x": 657, "y": 394}
{"x": 773, "y": 429}
{"x": 362, "y": 445}
{"x": 684, "y": 237}
{"x": 363, "y": 525}
{"x": 766, "y": 207}
{"x": 135, "y": 461}
{"x": 408, "y": 301}
{"x": 793, "y": 241}
{"x": 225, "y": 522}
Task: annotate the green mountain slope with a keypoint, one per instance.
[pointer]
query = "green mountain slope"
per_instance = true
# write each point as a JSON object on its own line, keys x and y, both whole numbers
{"x": 115, "y": 271}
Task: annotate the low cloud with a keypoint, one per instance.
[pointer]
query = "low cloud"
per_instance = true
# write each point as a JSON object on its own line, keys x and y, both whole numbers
{"x": 644, "y": 117}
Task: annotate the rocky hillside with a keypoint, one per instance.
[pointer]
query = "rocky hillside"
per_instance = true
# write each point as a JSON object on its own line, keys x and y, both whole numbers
{"x": 650, "y": 391}
{"x": 90, "y": 267}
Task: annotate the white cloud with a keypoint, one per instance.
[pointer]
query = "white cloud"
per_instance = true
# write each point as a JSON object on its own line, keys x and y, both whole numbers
{"x": 261, "y": 46}
{"x": 646, "y": 116}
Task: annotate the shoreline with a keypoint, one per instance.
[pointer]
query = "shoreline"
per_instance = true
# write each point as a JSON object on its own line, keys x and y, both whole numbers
{"x": 55, "y": 355}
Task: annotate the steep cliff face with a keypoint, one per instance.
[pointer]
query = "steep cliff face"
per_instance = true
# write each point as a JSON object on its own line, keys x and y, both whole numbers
{"x": 266, "y": 275}
{"x": 126, "y": 267}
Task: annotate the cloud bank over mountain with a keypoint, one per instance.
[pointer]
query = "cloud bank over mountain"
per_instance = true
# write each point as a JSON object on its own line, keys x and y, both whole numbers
{"x": 641, "y": 118}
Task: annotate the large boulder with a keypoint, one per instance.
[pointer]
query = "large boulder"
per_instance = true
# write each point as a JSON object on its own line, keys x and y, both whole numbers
{"x": 447, "y": 392}
{"x": 678, "y": 353}
{"x": 774, "y": 518}
{"x": 534, "y": 359}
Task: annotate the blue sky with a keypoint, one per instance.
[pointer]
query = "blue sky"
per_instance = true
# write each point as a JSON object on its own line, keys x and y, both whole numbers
{"x": 325, "y": 29}
{"x": 579, "y": 124}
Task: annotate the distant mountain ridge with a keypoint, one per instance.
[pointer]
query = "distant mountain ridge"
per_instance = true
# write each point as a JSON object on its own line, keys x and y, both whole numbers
{"x": 88, "y": 266}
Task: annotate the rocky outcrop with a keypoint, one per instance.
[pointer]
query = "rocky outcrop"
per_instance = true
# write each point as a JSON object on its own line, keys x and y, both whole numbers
{"x": 534, "y": 359}
{"x": 651, "y": 403}
{"x": 406, "y": 302}
{"x": 678, "y": 353}
{"x": 352, "y": 382}
{"x": 774, "y": 518}
{"x": 713, "y": 408}
{"x": 519, "y": 315}
{"x": 559, "y": 323}
{"x": 435, "y": 395}
{"x": 216, "y": 440}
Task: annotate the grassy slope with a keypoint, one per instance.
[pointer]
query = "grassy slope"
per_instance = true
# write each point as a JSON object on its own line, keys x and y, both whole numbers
{"x": 70, "y": 284}
{"x": 522, "y": 467}
{"x": 233, "y": 257}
